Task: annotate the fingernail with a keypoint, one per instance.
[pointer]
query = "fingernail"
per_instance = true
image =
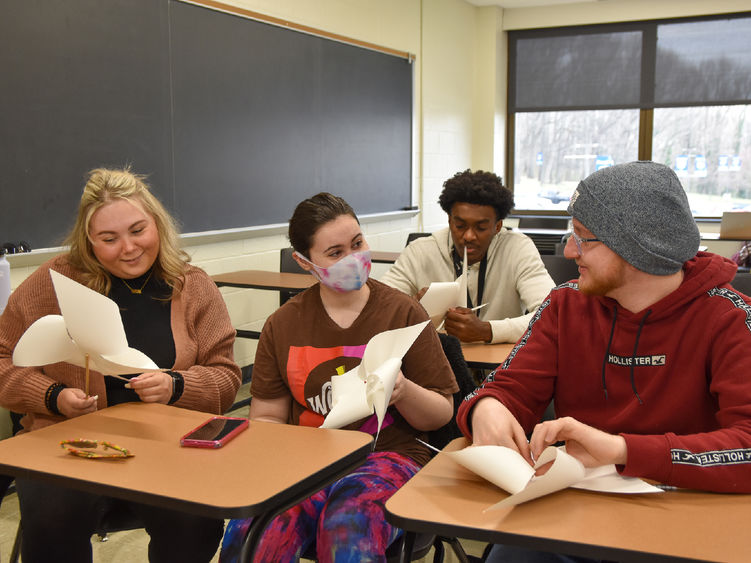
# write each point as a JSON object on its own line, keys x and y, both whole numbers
{"x": 127, "y": 386}
{"x": 95, "y": 397}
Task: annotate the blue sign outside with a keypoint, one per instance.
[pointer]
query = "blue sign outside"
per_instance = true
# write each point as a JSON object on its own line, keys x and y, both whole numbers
{"x": 603, "y": 161}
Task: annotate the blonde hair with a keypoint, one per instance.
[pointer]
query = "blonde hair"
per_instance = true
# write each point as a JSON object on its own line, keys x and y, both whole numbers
{"x": 104, "y": 186}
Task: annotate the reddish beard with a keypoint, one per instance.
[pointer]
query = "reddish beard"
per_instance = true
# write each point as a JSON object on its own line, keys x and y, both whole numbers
{"x": 601, "y": 281}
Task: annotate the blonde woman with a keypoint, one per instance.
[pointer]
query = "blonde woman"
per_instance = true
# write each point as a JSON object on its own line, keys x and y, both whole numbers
{"x": 124, "y": 245}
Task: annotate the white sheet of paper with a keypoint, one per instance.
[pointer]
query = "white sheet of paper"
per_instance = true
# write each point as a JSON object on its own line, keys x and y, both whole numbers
{"x": 367, "y": 388}
{"x": 607, "y": 479}
{"x": 46, "y": 341}
{"x": 463, "y": 282}
{"x": 349, "y": 401}
{"x": 90, "y": 324}
{"x": 507, "y": 469}
{"x": 380, "y": 386}
{"x": 441, "y": 296}
{"x": 487, "y": 462}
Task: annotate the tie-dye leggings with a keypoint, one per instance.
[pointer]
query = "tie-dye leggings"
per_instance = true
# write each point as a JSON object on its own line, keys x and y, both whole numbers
{"x": 345, "y": 520}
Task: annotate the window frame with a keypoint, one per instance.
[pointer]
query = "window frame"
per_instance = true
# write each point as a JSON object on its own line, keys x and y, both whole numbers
{"x": 646, "y": 104}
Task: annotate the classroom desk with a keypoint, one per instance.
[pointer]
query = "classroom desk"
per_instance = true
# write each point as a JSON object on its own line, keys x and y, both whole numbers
{"x": 446, "y": 499}
{"x": 264, "y": 279}
{"x": 259, "y": 473}
{"x": 716, "y": 236}
{"x": 383, "y": 257}
{"x": 283, "y": 281}
{"x": 485, "y": 356}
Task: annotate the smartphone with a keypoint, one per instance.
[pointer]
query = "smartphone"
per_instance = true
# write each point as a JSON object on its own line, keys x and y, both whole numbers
{"x": 215, "y": 432}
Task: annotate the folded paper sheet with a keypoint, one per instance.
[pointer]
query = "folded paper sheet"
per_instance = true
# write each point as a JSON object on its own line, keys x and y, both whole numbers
{"x": 368, "y": 387}
{"x": 507, "y": 469}
{"x": 90, "y": 324}
{"x": 441, "y": 296}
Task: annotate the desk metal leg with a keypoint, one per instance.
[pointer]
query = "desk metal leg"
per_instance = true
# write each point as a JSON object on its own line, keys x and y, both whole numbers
{"x": 258, "y": 526}
{"x": 407, "y": 546}
{"x": 255, "y": 531}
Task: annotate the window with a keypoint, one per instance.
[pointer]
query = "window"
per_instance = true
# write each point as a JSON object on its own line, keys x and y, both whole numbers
{"x": 677, "y": 92}
{"x": 554, "y": 150}
{"x": 707, "y": 146}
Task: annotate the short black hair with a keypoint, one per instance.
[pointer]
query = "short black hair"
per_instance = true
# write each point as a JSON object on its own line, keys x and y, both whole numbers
{"x": 478, "y": 188}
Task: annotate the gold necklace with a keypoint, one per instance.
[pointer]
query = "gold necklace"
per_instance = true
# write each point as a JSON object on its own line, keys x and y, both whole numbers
{"x": 138, "y": 291}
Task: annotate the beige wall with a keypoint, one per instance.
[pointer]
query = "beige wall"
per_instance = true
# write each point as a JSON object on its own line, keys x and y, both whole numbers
{"x": 459, "y": 112}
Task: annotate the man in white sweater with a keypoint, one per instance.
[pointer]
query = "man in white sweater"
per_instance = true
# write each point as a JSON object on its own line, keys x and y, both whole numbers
{"x": 504, "y": 267}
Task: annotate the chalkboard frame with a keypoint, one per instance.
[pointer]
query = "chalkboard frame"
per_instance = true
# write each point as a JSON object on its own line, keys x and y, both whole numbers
{"x": 48, "y": 146}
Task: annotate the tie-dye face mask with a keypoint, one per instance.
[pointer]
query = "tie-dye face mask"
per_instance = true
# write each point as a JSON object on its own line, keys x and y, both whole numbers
{"x": 348, "y": 274}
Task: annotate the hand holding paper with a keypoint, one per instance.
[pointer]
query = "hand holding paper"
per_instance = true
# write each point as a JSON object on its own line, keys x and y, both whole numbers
{"x": 90, "y": 324}
{"x": 367, "y": 388}
{"x": 507, "y": 469}
{"x": 441, "y": 296}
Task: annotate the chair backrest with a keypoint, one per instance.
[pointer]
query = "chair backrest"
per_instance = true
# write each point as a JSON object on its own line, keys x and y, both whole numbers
{"x": 560, "y": 268}
{"x": 287, "y": 264}
{"x": 413, "y": 236}
{"x": 6, "y": 424}
{"x": 453, "y": 350}
{"x": 742, "y": 282}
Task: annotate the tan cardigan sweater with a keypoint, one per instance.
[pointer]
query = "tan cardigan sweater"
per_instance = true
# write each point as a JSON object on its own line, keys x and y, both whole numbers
{"x": 201, "y": 328}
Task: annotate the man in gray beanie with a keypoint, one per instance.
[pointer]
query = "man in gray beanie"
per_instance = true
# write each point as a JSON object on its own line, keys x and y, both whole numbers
{"x": 640, "y": 211}
{"x": 646, "y": 355}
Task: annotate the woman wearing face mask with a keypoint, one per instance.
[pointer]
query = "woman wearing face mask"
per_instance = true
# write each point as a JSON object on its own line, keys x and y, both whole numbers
{"x": 320, "y": 333}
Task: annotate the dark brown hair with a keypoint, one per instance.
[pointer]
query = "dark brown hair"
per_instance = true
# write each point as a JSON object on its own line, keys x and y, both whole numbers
{"x": 310, "y": 215}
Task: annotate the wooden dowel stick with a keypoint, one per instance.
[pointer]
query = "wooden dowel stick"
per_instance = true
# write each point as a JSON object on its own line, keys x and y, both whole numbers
{"x": 87, "y": 376}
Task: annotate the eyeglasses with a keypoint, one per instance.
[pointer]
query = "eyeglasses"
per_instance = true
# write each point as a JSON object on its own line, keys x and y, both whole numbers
{"x": 578, "y": 240}
{"x": 91, "y": 446}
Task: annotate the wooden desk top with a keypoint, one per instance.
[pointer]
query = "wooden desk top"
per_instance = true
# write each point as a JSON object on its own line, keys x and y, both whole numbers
{"x": 383, "y": 256}
{"x": 263, "y": 467}
{"x": 264, "y": 279}
{"x": 716, "y": 236}
{"x": 444, "y": 498}
{"x": 485, "y": 356}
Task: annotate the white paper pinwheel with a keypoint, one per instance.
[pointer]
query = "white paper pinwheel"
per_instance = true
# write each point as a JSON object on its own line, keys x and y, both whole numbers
{"x": 507, "y": 469}
{"x": 367, "y": 388}
{"x": 90, "y": 324}
{"x": 441, "y": 296}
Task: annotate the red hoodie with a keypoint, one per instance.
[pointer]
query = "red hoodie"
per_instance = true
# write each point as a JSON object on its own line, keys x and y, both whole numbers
{"x": 674, "y": 380}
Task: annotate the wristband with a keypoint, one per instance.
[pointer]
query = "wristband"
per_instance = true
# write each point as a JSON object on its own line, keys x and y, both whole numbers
{"x": 50, "y": 397}
{"x": 178, "y": 385}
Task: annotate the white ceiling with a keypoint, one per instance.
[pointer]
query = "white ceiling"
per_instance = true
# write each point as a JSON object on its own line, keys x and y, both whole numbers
{"x": 524, "y": 3}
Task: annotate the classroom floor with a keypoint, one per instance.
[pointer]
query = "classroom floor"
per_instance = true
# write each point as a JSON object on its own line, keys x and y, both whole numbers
{"x": 130, "y": 546}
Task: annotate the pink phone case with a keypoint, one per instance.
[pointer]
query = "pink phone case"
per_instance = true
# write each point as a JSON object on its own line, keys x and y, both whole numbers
{"x": 214, "y": 433}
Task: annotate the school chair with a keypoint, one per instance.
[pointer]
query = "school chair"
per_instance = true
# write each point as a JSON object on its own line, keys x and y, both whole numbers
{"x": 287, "y": 264}
{"x": 438, "y": 439}
{"x": 113, "y": 517}
{"x": 560, "y": 268}
{"x": 413, "y": 236}
{"x": 742, "y": 282}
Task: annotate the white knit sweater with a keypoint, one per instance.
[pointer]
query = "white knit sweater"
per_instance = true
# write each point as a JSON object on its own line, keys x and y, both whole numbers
{"x": 516, "y": 281}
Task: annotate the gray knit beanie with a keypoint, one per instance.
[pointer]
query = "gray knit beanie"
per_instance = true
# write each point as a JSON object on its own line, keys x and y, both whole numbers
{"x": 641, "y": 212}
